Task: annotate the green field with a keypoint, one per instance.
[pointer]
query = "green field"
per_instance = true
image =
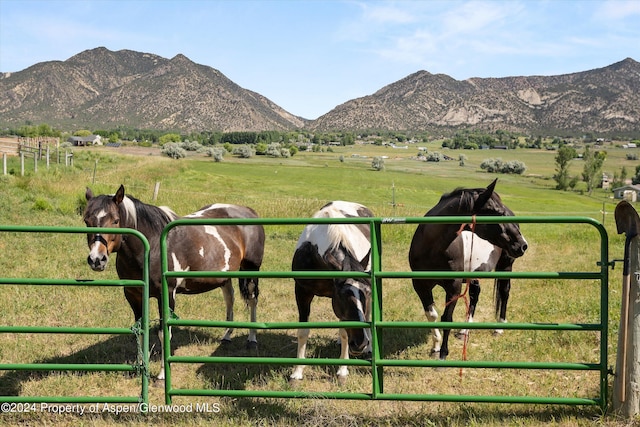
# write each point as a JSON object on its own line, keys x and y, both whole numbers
{"x": 297, "y": 187}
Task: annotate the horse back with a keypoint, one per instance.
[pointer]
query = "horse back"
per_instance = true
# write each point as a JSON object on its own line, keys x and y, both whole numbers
{"x": 238, "y": 246}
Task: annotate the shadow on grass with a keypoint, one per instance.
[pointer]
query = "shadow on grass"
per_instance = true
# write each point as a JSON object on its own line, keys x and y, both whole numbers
{"x": 117, "y": 349}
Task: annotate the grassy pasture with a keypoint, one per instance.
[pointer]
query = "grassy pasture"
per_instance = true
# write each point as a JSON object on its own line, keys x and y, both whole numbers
{"x": 297, "y": 187}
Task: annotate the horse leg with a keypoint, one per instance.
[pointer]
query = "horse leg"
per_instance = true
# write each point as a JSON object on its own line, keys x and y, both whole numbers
{"x": 228, "y": 293}
{"x": 303, "y": 300}
{"x": 503, "y": 287}
{"x": 172, "y": 307}
{"x": 502, "y": 290}
{"x": 452, "y": 294}
{"x": 134, "y": 298}
{"x": 249, "y": 291}
{"x": 474, "y": 294}
{"x": 424, "y": 289}
{"x": 343, "y": 371}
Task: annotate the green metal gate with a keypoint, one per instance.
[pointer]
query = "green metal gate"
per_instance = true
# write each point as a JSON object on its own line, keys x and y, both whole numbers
{"x": 378, "y": 324}
{"x": 141, "y": 329}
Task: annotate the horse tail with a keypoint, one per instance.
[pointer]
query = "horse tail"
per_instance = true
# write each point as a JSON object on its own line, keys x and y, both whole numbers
{"x": 249, "y": 289}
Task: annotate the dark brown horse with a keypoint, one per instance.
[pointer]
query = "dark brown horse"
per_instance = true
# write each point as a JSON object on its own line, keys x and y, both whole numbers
{"x": 446, "y": 247}
{"x": 193, "y": 248}
{"x": 337, "y": 247}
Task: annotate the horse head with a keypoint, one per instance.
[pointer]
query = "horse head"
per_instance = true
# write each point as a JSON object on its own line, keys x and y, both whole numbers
{"x": 486, "y": 202}
{"x": 352, "y": 298}
{"x": 103, "y": 211}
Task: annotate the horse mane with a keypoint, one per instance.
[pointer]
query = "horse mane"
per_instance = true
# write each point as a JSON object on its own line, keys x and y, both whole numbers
{"x": 466, "y": 199}
{"x": 154, "y": 216}
{"x": 465, "y": 196}
{"x": 339, "y": 234}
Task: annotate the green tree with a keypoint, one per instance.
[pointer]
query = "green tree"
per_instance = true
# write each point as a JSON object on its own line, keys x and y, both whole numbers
{"x": 593, "y": 162}
{"x": 563, "y": 159}
{"x": 636, "y": 179}
{"x": 169, "y": 137}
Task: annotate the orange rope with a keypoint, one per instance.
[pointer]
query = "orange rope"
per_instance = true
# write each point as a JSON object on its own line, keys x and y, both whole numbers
{"x": 463, "y": 295}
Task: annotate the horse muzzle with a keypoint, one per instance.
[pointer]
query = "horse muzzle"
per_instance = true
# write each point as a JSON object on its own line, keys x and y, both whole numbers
{"x": 97, "y": 263}
{"x": 520, "y": 249}
{"x": 361, "y": 349}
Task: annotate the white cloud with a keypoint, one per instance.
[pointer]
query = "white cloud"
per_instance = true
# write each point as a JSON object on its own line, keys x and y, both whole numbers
{"x": 617, "y": 9}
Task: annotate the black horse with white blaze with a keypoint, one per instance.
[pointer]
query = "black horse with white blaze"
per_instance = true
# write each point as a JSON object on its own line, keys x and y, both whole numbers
{"x": 337, "y": 247}
{"x": 454, "y": 247}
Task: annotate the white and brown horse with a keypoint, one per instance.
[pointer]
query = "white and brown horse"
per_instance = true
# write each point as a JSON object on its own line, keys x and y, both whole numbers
{"x": 336, "y": 247}
{"x": 189, "y": 248}
{"x": 453, "y": 247}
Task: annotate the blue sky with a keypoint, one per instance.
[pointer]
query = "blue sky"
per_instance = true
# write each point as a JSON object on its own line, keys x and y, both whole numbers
{"x": 310, "y": 56}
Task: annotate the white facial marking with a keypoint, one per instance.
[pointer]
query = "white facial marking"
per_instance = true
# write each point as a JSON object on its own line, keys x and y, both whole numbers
{"x": 201, "y": 252}
{"x": 360, "y": 310}
{"x": 100, "y": 215}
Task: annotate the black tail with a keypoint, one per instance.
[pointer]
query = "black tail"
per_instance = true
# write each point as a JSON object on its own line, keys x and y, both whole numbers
{"x": 249, "y": 289}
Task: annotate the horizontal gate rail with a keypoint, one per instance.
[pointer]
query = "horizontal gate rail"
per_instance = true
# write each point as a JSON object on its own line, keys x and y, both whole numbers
{"x": 377, "y": 324}
{"x": 142, "y": 329}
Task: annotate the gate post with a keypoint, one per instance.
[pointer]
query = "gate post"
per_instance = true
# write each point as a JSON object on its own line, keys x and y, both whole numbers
{"x": 626, "y": 384}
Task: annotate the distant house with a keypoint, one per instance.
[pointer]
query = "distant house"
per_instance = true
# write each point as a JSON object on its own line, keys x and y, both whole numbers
{"x": 627, "y": 192}
{"x": 85, "y": 140}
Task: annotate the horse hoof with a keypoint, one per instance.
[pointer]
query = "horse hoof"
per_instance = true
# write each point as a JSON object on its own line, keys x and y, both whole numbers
{"x": 498, "y": 332}
{"x": 252, "y": 345}
{"x": 342, "y": 380}
{"x": 157, "y": 382}
{"x": 435, "y": 354}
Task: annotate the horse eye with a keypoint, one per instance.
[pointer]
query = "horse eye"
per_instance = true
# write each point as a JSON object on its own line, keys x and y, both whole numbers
{"x": 116, "y": 221}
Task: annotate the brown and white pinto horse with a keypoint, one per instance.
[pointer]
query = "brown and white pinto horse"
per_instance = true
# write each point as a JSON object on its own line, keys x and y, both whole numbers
{"x": 444, "y": 247}
{"x": 189, "y": 248}
{"x": 338, "y": 247}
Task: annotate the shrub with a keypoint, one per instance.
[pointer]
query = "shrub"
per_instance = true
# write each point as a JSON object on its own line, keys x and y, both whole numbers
{"x": 173, "y": 150}
{"x": 243, "y": 151}
{"x": 498, "y": 166}
{"x": 192, "y": 146}
{"x": 216, "y": 152}
{"x": 377, "y": 163}
{"x": 434, "y": 157}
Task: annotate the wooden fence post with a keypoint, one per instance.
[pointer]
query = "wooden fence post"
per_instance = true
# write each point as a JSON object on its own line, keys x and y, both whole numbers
{"x": 156, "y": 189}
{"x": 626, "y": 384}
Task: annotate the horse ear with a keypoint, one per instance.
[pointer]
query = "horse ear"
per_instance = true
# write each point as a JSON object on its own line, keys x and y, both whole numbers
{"x": 484, "y": 196}
{"x": 333, "y": 261}
{"x": 119, "y": 196}
{"x": 88, "y": 194}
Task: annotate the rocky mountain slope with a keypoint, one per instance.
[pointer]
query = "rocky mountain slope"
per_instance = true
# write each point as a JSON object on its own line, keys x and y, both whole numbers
{"x": 99, "y": 88}
{"x": 102, "y": 89}
{"x": 602, "y": 100}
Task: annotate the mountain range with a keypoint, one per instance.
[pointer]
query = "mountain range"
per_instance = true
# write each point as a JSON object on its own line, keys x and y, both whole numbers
{"x": 103, "y": 89}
